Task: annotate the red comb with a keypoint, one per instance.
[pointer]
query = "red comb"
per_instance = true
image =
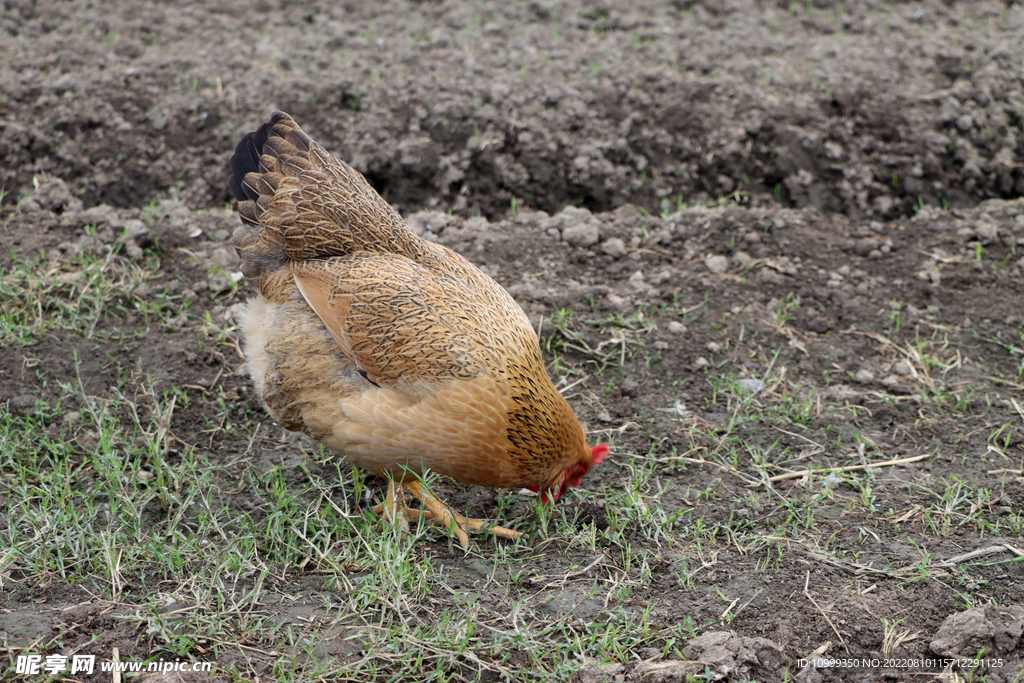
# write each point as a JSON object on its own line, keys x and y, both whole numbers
{"x": 598, "y": 453}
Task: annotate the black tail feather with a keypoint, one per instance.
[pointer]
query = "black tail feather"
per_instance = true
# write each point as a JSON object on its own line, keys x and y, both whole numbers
{"x": 247, "y": 158}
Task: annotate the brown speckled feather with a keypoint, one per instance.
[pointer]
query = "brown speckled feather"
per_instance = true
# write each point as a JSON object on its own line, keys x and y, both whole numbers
{"x": 394, "y": 351}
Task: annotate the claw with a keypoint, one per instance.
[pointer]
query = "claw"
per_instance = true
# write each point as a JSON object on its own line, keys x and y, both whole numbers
{"x": 394, "y": 509}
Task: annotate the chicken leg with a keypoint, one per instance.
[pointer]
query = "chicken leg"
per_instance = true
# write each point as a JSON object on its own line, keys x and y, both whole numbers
{"x": 395, "y": 509}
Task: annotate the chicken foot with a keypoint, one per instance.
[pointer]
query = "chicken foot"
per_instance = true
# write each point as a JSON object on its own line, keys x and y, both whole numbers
{"x": 395, "y": 509}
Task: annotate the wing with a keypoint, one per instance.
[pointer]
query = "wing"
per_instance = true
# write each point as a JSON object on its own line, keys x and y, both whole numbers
{"x": 396, "y": 319}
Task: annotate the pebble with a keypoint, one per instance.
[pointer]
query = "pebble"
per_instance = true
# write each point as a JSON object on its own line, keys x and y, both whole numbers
{"x": 902, "y": 368}
{"x": 714, "y": 347}
{"x": 581, "y": 234}
{"x": 750, "y": 384}
{"x": 717, "y": 264}
{"x": 618, "y": 302}
{"x": 591, "y": 673}
{"x": 614, "y": 247}
{"x": 24, "y": 402}
{"x": 864, "y": 376}
{"x": 818, "y": 325}
{"x": 219, "y": 283}
{"x": 701, "y": 363}
{"x": 864, "y": 247}
{"x": 677, "y": 328}
{"x": 987, "y": 232}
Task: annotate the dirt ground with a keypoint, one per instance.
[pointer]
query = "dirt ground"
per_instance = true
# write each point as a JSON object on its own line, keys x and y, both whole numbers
{"x": 757, "y": 238}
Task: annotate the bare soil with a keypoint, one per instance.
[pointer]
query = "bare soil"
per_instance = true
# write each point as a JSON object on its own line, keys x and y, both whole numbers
{"x": 816, "y": 203}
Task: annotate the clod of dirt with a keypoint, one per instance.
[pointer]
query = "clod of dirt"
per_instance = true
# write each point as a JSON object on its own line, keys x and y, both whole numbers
{"x": 717, "y": 264}
{"x": 984, "y": 632}
{"x": 614, "y": 247}
{"x": 726, "y": 656}
{"x": 605, "y": 673}
{"x": 51, "y": 194}
{"x": 736, "y": 657}
{"x": 591, "y": 513}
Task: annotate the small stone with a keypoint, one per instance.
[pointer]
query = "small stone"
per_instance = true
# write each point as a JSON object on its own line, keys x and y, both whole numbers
{"x": 217, "y": 283}
{"x": 864, "y": 376}
{"x": 818, "y": 325}
{"x": 717, "y": 264}
{"x": 581, "y": 234}
{"x": 23, "y": 402}
{"x": 177, "y": 322}
{"x": 875, "y": 254}
{"x": 135, "y": 228}
{"x": 890, "y": 380}
{"x": 750, "y": 384}
{"x": 741, "y": 258}
{"x": 701, "y": 363}
{"x": 591, "y": 673}
{"x": 677, "y": 328}
{"x": 864, "y": 247}
{"x": 987, "y": 232}
{"x": 902, "y": 368}
{"x": 617, "y": 302}
{"x": 714, "y": 347}
{"x": 614, "y": 247}
{"x": 661, "y": 345}
{"x": 662, "y": 276}
{"x": 628, "y": 388}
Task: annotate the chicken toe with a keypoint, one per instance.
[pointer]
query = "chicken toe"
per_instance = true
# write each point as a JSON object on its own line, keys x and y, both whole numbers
{"x": 444, "y": 516}
{"x": 437, "y": 513}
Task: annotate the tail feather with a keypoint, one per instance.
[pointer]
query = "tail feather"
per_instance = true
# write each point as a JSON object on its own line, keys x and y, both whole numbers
{"x": 298, "y": 202}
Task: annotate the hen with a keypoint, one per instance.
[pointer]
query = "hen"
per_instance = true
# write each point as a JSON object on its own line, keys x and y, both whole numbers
{"x": 393, "y": 351}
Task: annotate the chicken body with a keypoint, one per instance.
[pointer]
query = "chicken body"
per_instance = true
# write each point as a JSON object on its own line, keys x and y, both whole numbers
{"x": 393, "y": 351}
